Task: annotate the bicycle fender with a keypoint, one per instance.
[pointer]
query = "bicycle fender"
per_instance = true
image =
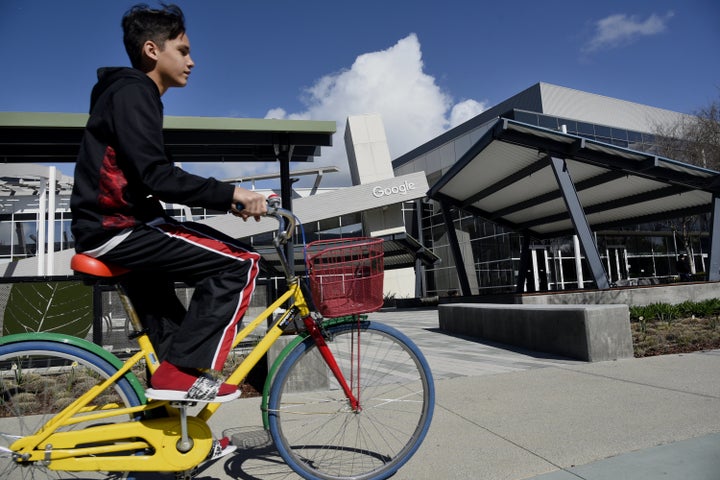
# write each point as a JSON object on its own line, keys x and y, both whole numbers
{"x": 79, "y": 343}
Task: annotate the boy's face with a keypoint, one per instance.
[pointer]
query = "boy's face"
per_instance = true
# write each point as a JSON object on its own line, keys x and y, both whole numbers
{"x": 173, "y": 63}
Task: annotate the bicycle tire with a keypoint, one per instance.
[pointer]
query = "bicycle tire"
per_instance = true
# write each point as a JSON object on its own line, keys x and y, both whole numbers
{"x": 315, "y": 430}
{"x": 37, "y": 379}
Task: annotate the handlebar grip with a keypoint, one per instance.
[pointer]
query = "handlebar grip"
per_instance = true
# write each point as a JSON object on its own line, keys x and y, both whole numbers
{"x": 273, "y": 201}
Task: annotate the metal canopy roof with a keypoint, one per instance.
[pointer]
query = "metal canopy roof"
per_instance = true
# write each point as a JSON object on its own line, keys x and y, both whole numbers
{"x": 55, "y": 138}
{"x": 508, "y": 177}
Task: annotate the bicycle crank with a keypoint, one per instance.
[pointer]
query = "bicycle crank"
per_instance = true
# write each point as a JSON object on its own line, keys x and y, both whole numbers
{"x": 114, "y": 447}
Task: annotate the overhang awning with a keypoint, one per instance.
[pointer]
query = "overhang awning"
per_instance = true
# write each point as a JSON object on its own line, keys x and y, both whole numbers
{"x": 29, "y": 137}
{"x": 507, "y": 177}
{"x": 402, "y": 250}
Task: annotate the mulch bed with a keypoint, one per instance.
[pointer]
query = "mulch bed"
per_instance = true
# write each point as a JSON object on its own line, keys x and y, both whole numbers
{"x": 684, "y": 335}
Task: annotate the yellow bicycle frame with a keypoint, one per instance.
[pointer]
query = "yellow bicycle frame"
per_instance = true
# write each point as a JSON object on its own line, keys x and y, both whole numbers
{"x": 105, "y": 447}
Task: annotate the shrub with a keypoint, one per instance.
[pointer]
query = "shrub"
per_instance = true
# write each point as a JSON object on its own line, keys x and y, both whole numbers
{"x": 688, "y": 309}
{"x": 663, "y": 312}
{"x": 636, "y": 312}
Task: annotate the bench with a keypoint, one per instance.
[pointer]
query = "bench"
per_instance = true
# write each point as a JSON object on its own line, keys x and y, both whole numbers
{"x": 586, "y": 332}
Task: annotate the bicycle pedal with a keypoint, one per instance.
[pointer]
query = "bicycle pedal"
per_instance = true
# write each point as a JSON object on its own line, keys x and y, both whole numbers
{"x": 181, "y": 396}
{"x": 218, "y": 451}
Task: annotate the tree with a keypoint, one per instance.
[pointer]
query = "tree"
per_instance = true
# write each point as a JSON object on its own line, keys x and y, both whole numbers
{"x": 696, "y": 140}
{"x": 703, "y": 136}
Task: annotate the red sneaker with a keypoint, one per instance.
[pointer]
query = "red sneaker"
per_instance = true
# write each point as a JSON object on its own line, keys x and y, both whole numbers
{"x": 171, "y": 382}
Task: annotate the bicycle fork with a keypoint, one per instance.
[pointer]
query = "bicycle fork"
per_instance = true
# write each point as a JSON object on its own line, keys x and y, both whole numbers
{"x": 315, "y": 331}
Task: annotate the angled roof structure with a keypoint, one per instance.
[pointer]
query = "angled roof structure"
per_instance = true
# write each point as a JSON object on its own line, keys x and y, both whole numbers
{"x": 546, "y": 183}
{"x": 507, "y": 177}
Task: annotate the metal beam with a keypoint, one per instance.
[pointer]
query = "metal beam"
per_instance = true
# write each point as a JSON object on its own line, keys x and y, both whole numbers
{"x": 609, "y": 205}
{"x": 455, "y": 249}
{"x": 547, "y": 197}
{"x": 509, "y": 180}
{"x": 572, "y": 202}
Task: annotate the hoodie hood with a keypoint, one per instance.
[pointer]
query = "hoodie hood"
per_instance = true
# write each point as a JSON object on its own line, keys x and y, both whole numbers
{"x": 109, "y": 76}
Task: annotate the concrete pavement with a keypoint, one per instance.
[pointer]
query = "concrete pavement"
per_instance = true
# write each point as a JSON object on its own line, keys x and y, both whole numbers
{"x": 511, "y": 414}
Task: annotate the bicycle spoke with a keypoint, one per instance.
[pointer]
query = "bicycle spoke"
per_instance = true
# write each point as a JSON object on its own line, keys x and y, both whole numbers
{"x": 38, "y": 380}
{"x": 321, "y": 436}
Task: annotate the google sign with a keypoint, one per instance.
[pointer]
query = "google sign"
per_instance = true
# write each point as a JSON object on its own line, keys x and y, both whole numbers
{"x": 401, "y": 189}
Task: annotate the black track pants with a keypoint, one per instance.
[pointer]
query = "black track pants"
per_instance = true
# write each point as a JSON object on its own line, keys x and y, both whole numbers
{"x": 221, "y": 270}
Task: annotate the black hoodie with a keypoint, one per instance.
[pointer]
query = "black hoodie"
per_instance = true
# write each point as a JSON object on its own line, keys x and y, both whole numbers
{"x": 122, "y": 170}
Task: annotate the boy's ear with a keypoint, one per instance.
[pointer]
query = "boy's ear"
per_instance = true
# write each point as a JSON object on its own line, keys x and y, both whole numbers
{"x": 150, "y": 50}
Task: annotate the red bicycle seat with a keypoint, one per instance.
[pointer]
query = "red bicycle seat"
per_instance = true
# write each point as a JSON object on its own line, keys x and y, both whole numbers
{"x": 88, "y": 265}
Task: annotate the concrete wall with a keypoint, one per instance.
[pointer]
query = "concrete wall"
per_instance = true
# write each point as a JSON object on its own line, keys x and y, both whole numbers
{"x": 638, "y": 296}
{"x": 585, "y": 332}
{"x": 369, "y": 161}
{"x": 367, "y": 149}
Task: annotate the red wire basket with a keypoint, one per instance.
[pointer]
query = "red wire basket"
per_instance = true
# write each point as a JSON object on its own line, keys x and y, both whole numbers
{"x": 346, "y": 275}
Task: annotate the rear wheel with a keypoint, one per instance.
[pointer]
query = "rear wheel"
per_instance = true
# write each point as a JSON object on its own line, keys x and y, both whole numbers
{"x": 315, "y": 429}
{"x": 37, "y": 380}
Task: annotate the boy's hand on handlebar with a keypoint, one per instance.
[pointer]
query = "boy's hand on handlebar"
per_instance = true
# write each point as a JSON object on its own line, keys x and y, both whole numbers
{"x": 247, "y": 203}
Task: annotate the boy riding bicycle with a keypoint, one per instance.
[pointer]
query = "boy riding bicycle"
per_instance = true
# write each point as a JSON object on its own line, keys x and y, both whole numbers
{"x": 121, "y": 176}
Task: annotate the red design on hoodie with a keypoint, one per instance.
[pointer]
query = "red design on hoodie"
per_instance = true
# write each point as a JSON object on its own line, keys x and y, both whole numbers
{"x": 112, "y": 189}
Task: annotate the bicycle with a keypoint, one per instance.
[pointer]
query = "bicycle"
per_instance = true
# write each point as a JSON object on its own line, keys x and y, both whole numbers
{"x": 348, "y": 398}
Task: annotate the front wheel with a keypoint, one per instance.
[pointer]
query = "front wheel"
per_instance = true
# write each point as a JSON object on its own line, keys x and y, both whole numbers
{"x": 315, "y": 429}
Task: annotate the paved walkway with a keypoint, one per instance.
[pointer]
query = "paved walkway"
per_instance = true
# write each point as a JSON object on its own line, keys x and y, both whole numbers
{"x": 511, "y": 414}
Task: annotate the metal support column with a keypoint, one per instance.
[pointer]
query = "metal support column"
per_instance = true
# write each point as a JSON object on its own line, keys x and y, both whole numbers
{"x": 714, "y": 265}
{"x": 419, "y": 268}
{"x": 455, "y": 249}
{"x": 577, "y": 215}
{"x": 284, "y": 153}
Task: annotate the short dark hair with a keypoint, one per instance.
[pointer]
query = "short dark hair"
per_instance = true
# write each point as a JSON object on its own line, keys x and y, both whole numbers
{"x": 142, "y": 23}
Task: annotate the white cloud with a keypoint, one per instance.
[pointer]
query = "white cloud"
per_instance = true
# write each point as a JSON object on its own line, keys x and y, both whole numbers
{"x": 465, "y": 110}
{"x": 391, "y": 83}
{"x": 621, "y": 29}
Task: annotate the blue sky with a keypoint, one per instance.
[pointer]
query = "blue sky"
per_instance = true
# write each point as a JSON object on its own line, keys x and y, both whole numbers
{"x": 425, "y": 66}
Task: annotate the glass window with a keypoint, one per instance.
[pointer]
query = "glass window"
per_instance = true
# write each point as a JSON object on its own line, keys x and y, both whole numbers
{"x": 619, "y": 134}
{"x": 634, "y": 136}
{"x": 570, "y": 125}
{"x": 602, "y": 131}
{"x": 548, "y": 122}
{"x": 526, "y": 117}
{"x": 585, "y": 129}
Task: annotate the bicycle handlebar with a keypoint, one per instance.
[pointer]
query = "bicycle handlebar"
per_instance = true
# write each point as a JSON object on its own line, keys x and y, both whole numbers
{"x": 286, "y": 228}
{"x": 285, "y": 218}
{"x": 286, "y": 223}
